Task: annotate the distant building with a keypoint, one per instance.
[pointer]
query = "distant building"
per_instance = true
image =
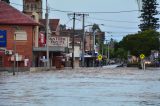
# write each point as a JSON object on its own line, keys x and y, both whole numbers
{"x": 31, "y": 6}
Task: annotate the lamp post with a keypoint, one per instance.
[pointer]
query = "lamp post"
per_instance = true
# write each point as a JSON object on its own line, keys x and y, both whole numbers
{"x": 108, "y": 52}
{"x": 93, "y": 50}
{"x": 83, "y": 42}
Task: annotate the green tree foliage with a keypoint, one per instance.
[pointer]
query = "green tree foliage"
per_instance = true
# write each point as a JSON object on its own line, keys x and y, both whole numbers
{"x": 121, "y": 53}
{"x": 142, "y": 42}
{"x": 148, "y": 13}
{"x": 96, "y": 27}
{"x": 7, "y": 1}
{"x": 62, "y": 27}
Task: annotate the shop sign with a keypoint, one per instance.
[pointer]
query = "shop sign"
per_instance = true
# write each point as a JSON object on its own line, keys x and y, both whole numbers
{"x": 20, "y": 36}
{"x": 3, "y": 40}
{"x": 58, "y": 41}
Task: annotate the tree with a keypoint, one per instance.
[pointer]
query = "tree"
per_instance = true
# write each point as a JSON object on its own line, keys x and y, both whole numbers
{"x": 121, "y": 53}
{"x": 142, "y": 42}
{"x": 96, "y": 27}
{"x": 62, "y": 27}
{"x": 148, "y": 13}
{"x": 7, "y": 1}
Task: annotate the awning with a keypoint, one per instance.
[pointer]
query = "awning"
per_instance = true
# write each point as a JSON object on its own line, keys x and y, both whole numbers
{"x": 52, "y": 49}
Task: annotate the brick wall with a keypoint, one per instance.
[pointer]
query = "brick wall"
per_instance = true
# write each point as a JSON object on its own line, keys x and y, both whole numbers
{"x": 22, "y": 47}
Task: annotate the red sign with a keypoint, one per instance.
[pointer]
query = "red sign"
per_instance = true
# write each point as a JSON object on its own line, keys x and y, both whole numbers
{"x": 42, "y": 39}
{"x": 1, "y": 53}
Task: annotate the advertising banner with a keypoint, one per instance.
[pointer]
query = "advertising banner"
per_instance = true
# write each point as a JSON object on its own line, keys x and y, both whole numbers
{"x": 58, "y": 41}
{"x": 3, "y": 38}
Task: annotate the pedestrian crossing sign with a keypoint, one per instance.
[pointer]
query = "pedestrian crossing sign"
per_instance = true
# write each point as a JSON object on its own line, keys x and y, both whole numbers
{"x": 142, "y": 56}
{"x": 99, "y": 57}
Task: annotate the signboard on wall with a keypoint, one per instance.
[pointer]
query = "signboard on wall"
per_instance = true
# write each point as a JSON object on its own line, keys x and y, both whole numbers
{"x": 58, "y": 41}
{"x": 42, "y": 39}
{"x": 3, "y": 38}
{"x": 21, "y": 35}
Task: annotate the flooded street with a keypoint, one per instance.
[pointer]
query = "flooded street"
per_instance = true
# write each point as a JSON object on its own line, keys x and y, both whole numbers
{"x": 82, "y": 87}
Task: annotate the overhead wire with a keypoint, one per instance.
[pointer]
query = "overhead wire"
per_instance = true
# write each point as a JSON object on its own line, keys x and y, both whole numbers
{"x": 112, "y": 20}
{"x": 94, "y": 12}
{"x": 89, "y": 12}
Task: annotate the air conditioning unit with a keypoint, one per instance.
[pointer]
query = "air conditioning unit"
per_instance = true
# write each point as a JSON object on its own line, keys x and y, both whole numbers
{"x": 8, "y": 52}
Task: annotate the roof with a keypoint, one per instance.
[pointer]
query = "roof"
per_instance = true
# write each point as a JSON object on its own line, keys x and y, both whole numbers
{"x": 11, "y": 16}
{"x": 53, "y": 23}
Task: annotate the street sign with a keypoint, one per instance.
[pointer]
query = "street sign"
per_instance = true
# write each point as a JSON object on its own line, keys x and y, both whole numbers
{"x": 99, "y": 57}
{"x": 142, "y": 56}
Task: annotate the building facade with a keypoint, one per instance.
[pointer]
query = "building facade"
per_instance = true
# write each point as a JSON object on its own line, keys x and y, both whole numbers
{"x": 31, "y": 6}
{"x": 16, "y": 31}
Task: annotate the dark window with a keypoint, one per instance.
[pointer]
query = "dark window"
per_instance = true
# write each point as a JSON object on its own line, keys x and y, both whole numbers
{"x": 35, "y": 7}
{"x": 1, "y": 61}
{"x": 32, "y": 7}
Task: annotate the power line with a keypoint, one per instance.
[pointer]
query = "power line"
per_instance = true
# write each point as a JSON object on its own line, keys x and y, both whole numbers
{"x": 112, "y": 32}
{"x": 120, "y": 27}
{"x": 112, "y": 20}
{"x": 107, "y": 12}
{"x": 113, "y": 26}
{"x": 84, "y": 12}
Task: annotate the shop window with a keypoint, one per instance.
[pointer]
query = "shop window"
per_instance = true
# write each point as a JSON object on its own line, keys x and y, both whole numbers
{"x": 35, "y": 7}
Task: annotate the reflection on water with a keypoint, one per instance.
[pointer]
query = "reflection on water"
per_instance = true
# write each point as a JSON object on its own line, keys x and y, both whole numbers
{"x": 105, "y": 87}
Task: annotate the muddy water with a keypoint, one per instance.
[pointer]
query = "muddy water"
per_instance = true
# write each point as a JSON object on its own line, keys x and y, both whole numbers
{"x": 82, "y": 87}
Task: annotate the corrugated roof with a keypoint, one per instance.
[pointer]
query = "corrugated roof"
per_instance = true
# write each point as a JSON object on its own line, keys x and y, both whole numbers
{"x": 11, "y": 16}
{"x": 53, "y": 23}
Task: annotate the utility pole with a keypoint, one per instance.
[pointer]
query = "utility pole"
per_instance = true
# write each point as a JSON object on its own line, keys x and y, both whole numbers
{"x": 14, "y": 67}
{"x": 47, "y": 23}
{"x": 83, "y": 36}
{"x": 93, "y": 51}
{"x": 72, "y": 36}
{"x": 108, "y": 51}
{"x": 83, "y": 39}
{"x": 74, "y": 14}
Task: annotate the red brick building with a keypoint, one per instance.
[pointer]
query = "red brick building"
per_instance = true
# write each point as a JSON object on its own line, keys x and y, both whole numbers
{"x": 19, "y": 32}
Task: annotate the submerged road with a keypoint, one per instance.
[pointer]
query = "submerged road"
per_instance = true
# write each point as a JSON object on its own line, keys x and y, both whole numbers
{"x": 82, "y": 87}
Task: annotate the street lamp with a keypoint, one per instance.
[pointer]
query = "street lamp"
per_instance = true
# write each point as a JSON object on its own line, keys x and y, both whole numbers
{"x": 108, "y": 52}
{"x": 83, "y": 42}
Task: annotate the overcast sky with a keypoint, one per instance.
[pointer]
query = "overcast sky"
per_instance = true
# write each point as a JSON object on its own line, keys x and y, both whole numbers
{"x": 116, "y": 25}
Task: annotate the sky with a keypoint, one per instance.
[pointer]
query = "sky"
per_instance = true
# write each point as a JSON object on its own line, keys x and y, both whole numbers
{"x": 116, "y": 22}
